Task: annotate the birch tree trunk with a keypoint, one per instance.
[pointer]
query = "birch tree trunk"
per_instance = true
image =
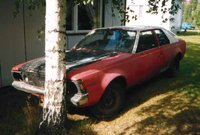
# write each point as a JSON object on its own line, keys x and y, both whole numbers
{"x": 54, "y": 114}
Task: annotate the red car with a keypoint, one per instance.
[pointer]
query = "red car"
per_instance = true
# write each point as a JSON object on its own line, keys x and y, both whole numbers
{"x": 107, "y": 62}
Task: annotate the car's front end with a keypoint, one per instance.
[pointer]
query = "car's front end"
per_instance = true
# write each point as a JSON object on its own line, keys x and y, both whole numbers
{"x": 30, "y": 77}
{"x": 77, "y": 93}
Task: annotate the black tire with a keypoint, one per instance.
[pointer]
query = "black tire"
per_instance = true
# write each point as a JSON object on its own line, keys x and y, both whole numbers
{"x": 111, "y": 102}
{"x": 174, "y": 68}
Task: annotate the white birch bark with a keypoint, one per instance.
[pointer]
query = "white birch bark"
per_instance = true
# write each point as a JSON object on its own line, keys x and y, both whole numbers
{"x": 54, "y": 95}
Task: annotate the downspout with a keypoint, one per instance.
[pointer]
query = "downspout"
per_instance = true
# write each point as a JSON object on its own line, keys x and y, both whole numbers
{"x": 24, "y": 27}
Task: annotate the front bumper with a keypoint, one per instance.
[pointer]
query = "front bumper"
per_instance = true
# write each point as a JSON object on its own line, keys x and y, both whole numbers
{"x": 78, "y": 99}
{"x": 27, "y": 87}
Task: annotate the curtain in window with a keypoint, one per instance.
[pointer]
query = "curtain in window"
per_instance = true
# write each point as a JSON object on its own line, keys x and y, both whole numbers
{"x": 89, "y": 16}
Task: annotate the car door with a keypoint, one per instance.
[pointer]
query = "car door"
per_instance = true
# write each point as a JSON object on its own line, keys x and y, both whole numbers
{"x": 165, "y": 49}
{"x": 147, "y": 60}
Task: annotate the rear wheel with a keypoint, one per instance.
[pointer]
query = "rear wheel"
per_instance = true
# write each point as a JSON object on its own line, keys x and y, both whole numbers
{"x": 174, "y": 68}
{"x": 110, "y": 103}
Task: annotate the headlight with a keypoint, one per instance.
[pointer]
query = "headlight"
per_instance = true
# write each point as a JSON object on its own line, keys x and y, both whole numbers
{"x": 80, "y": 86}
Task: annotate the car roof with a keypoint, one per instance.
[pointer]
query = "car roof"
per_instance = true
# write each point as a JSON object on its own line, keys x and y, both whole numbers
{"x": 135, "y": 27}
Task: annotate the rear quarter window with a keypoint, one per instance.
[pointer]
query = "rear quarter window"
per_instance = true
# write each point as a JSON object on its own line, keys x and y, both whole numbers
{"x": 162, "y": 38}
{"x": 171, "y": 36}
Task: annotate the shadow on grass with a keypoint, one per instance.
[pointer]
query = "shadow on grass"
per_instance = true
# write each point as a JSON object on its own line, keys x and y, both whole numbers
{"x": 15, "y": 117}
{"x": 178, "y": 112}
{"x": 188, "y": 33}
{"x": 185, "y": 122}
{"x": 20, "y": 116}
{"x": 80, "y": 127}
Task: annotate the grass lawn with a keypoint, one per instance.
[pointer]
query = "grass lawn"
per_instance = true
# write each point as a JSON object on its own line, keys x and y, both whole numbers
{"x": 161, "y": 106}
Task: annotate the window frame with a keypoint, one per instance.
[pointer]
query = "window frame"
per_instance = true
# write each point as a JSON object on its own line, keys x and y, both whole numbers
{"x": 171, "y": 36}
{"x": 166, "y": 37}
{"x": 75, "y": 29}
{"x": 155, "y": 38}
{"x": 107, "y": 37}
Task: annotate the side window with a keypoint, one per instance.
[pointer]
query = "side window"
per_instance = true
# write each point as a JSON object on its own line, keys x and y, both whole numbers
{"x": 146, "y": 41}
{"x": 163, "y": 40}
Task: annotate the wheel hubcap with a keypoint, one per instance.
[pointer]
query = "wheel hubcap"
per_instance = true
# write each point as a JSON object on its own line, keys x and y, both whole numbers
{"x": 108, "y": 101}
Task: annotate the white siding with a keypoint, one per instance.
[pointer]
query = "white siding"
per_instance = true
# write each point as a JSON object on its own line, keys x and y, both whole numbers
{"x": 73, "y": 39}
{"x": 11, "y": 41}
{"x": 14, "y": 48}
{"x": 144, "y": 18}
{"x": 33, "y": 23}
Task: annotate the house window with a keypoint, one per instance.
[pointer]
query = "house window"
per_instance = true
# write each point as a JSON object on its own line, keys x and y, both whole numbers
{"x": 69, "y": 18}
{"x": 89, "y": 16}
{"x": 84, "y": 16}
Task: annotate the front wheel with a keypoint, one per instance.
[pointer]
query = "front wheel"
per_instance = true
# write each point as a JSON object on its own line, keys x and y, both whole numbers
{"x": 110, "y": 103}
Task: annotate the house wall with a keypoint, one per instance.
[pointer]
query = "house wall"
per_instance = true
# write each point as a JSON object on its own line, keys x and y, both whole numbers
{"x": 11, "y": 41}
{"x": 18, "y": 40}
{"x": 144, "y": 18}
{"x": 32, "y": 24}
{"x": 178, "y": 18}
{"x": 18, "y": 36}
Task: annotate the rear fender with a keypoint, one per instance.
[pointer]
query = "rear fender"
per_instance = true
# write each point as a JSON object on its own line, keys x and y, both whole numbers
{"x": 182, "y": 48}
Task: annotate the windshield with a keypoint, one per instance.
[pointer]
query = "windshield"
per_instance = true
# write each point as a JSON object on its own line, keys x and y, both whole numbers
{"x": 108, "y": 40}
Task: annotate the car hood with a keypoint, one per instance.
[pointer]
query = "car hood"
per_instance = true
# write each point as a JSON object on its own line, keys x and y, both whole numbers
{"x": 74, "y": 60}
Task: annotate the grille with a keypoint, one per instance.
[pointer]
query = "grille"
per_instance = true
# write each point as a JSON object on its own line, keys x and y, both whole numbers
{"x": 38, "y": 80}
{"x": 33, "y": 79}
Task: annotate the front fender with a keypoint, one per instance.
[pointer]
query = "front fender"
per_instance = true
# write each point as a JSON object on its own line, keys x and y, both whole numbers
{"x": 108, "y": 78}
{"x": 97, "y": 89}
